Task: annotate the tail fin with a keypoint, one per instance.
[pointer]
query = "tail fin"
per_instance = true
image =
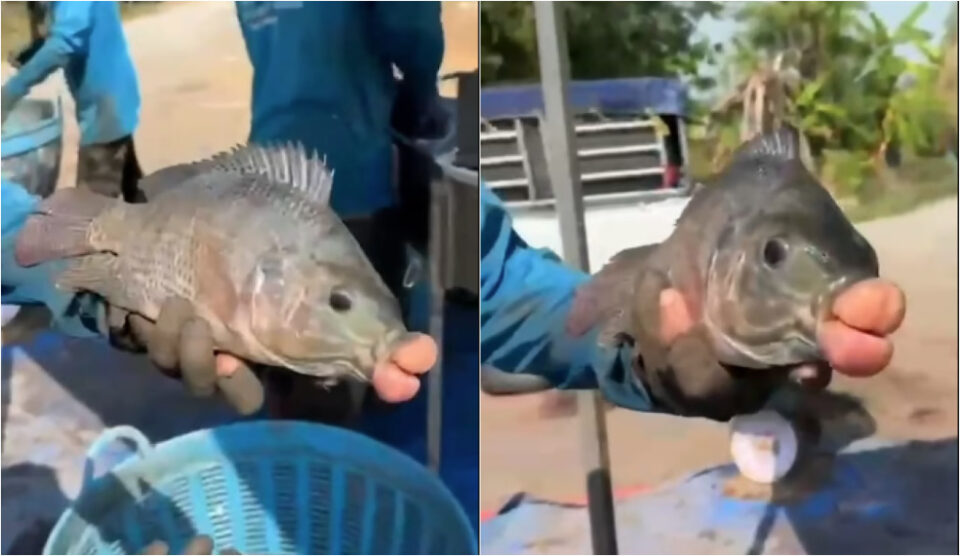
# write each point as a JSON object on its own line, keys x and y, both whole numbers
{"x": 59, "y": 228}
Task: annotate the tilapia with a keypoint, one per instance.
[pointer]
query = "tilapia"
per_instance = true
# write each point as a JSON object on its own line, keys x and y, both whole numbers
{"x": 758, "y": 255}
{"x": 249, "y": 238}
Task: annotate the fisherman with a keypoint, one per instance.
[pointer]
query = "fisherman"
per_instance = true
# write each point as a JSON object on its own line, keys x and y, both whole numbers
{"x": 324, "y": 77}
{"x": 86, "y": 41}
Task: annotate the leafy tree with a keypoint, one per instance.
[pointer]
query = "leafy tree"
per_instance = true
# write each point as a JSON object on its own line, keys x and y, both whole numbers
{"x": 948, "y": 76}
{"x": 901, "y": 95}
{"x": 856, "y": 92}
{"x": 605, "y": 40}
{"x": 815, "y": 30}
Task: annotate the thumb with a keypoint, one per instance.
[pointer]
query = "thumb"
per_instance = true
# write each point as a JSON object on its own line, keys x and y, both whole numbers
{"x": 675, "y": 318}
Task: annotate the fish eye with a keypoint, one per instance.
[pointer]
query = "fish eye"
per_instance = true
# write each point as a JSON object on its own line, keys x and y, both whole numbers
{"x": 340, "y": 301}
{"x": 774, "y": 252}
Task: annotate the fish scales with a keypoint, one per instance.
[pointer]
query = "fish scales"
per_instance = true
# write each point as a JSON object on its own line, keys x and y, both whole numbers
{"x": 249, "y": 239}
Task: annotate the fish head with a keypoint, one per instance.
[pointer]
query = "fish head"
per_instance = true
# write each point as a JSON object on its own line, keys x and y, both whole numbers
{"x": 323, "y": 316}
{"x": 780, "y": 259}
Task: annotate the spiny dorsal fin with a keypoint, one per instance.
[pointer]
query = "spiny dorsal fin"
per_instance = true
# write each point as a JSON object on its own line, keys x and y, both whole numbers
{"x": 782, "y": 144}
{"x": 284, "y": 163}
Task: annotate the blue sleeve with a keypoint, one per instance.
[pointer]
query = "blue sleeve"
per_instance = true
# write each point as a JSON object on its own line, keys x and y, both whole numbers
{"x": 411, "y": 35}
{"x": 526, "y": 294}
{"x": 68, "y": 35}
{"x": 75, "y": 315}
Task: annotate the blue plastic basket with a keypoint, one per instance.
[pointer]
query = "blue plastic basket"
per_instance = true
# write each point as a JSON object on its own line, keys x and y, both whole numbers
{"x": 263, "y": 487}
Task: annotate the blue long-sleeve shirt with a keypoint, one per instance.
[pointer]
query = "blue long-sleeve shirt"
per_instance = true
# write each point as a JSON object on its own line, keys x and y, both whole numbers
{"x": 525, "y": 296}
{"x": 323, "y": 76}
{"x": 81, "y": 316}
{"x": 86, "y": 40}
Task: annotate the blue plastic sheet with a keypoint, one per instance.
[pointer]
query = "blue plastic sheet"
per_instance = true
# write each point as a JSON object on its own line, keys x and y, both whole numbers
{"x": 880, "y": 499}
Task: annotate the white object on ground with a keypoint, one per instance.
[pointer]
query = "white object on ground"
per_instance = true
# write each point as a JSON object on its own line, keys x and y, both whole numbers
{"x": 9, "y": 312}
{"x": 763, "y": 446}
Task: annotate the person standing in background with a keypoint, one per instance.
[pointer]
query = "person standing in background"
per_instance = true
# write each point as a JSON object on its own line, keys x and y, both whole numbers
{"x": 86, "y": 41}
{"x": 325, "y": 75}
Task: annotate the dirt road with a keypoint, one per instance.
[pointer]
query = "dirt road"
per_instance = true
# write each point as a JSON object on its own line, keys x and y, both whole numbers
{"x": 915, "y": 399}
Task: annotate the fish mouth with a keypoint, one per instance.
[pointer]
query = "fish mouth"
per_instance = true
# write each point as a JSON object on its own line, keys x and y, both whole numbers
{"x": 359, "y": 364}
{"x": 333, "y": 369}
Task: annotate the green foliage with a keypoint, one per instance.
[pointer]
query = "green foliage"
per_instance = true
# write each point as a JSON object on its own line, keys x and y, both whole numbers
{"x": 917, "y": 117}
{"x": 858, "y": 94}
{"x": 923, "y": 180}
{"x": 846, "y": 173}
{"x": 605, "y": 40}
{"x": 508, "y": 42}
{"x": 814, "y": 30}
{"x": 948, "y": 75}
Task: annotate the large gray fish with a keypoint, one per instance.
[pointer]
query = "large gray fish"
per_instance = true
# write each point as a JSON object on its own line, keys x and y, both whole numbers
{"x": 249, "y": 238}
{"x": 758, "y": 255}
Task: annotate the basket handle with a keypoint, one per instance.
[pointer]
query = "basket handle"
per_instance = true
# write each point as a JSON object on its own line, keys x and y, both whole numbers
{"x": 109, "y": 437}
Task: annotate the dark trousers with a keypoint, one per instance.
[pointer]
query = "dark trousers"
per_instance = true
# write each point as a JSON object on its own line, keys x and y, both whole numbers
{"x": 111, "y": 169}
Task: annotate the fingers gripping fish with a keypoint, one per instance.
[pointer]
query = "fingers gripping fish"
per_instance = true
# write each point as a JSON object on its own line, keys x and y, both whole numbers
{"x": 758, "y": 255}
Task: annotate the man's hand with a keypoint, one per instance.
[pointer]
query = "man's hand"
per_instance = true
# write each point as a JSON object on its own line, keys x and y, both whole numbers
{"x": 690, "y": 381}
{"x": 854, "y": 339}
{"x": 181, "y": 345}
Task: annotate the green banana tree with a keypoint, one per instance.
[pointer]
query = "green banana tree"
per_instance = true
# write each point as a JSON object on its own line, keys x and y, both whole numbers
{"x": 907, "y": 112}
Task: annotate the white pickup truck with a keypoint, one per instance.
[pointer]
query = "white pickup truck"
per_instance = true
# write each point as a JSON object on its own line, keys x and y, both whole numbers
{"x": 632, "y": 154}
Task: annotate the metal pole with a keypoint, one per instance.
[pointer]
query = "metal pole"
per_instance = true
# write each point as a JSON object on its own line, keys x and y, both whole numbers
{"x": 565, "y": 179}
{"x": 438, "y": 260}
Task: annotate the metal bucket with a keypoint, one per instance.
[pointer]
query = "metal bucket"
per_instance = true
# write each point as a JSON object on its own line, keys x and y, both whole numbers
{"x": 31, "y": 148}
{"x": 32, "y": 144}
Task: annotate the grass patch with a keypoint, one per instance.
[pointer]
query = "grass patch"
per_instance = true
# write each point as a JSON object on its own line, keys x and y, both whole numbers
{"x": 919, "y": 182}
{"x": 15, "y": 28}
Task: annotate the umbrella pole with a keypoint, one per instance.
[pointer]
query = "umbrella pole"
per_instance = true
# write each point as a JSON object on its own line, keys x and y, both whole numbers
{"x": 565, "y": 179}
{"x": 437, "y": 264}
